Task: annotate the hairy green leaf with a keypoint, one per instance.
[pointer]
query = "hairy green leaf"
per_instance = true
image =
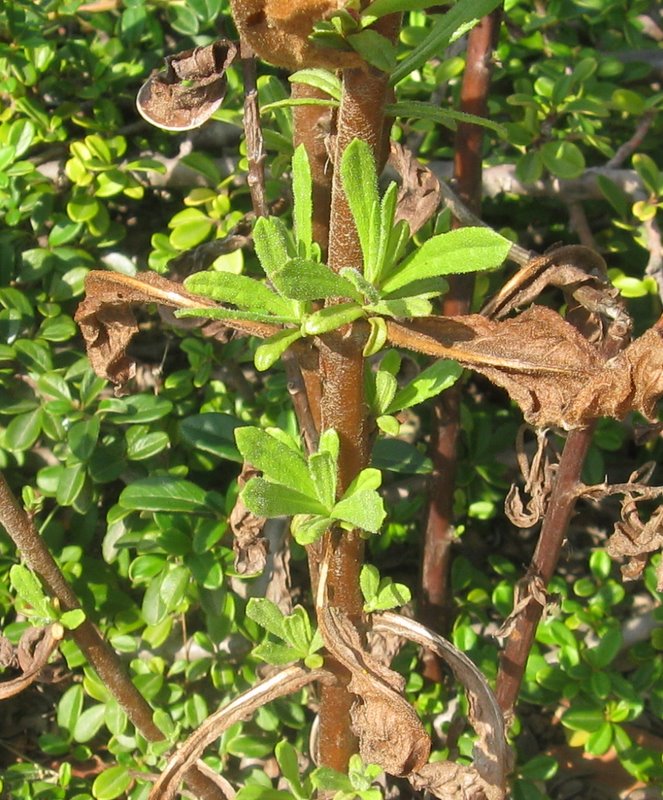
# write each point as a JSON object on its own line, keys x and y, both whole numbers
{"x": 240, "y": 290}
{"x": 276, "y": 460}
{"x": 428, "y": 383}
{"x": 275, "y": 500}
{"x": 304, "y": 280}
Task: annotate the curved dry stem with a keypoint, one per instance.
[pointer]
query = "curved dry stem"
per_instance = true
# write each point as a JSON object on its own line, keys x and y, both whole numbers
{"x": 49, "y": 641}
{"x": 291, "y": 679}
{"x": 492, "y": 756}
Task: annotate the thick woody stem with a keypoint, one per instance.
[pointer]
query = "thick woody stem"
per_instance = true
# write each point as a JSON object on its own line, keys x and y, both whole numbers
{"x": 435, "y": 598}
{"x": 554, "y": 531}
{"x": 99, "y": 654}
{"x": 361, "y": 116}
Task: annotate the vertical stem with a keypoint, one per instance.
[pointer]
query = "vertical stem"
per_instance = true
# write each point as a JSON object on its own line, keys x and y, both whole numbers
{"x": 361, "y": 116}
{"x": 436, "y": 558}
{"x": 552, "y": 536}
{"x": 99, "y": 654}
{"x": 554, "y": 531}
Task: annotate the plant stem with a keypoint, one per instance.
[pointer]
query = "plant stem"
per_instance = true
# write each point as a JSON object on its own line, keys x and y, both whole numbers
{"x": 544, "y": 561}
{"x": 361, "y": 116}
{"x": 100, "y": 655}
{"x": 435, "y": 597}
{"x": 554, "y": 531}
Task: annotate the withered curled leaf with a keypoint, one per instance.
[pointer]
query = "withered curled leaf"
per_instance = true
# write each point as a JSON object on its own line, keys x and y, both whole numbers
{"x": 108, "y": 323}
{"x": 190, "y": 89}
{"x": 419, "y": 194}
{"x": 389, "y": 731}
{"x": 548, "y": 368}
{"x": 35, "y": 648}
{"x": 249, "y": 544}
{"x": 635, "y": 540}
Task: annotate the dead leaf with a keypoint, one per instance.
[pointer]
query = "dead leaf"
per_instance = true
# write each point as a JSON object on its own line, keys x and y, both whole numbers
{"x": 108, "y": 323}
{"x": 191, "y": 88}
{"x": 34, "y": 649}
{"x": 538, "y": 477}
{"x": 487, "y": 777}
{"x": 389, "y": 731}
{"x": 529, "y": 589}
{"x": 249, "y": 544}
{"x": 419, "y": 193}
{"x": 548, "y": 368}
{"x": 634, "y": 539}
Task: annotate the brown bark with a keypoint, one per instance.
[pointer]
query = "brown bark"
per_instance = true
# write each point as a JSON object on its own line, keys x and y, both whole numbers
{"x": 361, "y": 116}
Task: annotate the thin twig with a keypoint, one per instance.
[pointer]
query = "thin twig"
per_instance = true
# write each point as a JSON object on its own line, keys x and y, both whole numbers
{"x": 289, "y": 680}
{"x": 100, "y": 655}
{"x": 255, "y": 151}
{"x": 628, "y": 148}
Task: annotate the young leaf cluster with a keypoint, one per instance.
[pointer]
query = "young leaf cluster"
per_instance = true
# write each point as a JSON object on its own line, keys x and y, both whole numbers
{"x": 305, "y": 488}
{"x": 298, "y": 640}
{"x": 386, "y": 284}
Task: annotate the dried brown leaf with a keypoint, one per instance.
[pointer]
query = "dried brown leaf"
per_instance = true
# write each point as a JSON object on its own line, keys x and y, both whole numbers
{"x": 107, "y": 320}
{"x": 108, "y": 323}
{"x": 548, "y": 368}
{"x": 634, "y": 539}
{"x": 33, "y": 652}
{"x": 450, "y": 781}
{"x": 191, "y": 88}
{"x": 538, "y": 482}
{"x": 249, "y": 544}
{"x": 389, "y": 731}
{"x": 419, "y": 194}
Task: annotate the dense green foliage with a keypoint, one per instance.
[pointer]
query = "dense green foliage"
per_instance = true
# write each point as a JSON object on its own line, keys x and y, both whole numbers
{"x": 132, "y": 494}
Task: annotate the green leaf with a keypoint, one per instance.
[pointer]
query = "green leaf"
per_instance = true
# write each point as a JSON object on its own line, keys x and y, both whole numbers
{"x": 583, "y": 718}
{"x": 323, "y": 468}
{"x": 363, "y": 509}
{"x": 369, "y": 479}
{"x": 377, "y": 336}
{"x": 429, "y": 383}
{"x": 23, "y": 431}
{"x": 445, "y": 116}
{"x": 330, "y": 318}
{"x": 600, "y": 741}
{"x": 369, "y": 582}
{"x": 406, "y": 306}
{"x": 72, "y": 619}
{"x": 607, "y": 649}
{"x": 297, "y": 630}
{"x": 111, "y": 783}
{"x": 375, "y": 49}
{"x": 649, "y": 173}
{"x": 89, "y": 723}
{"x": 70, "y": 707}
{"x": 70, "y": 485}
{"x": 390, "y": 595}
{"x": 288, "y": 761}
{"x": 380, "y": 8}
{"x": 28, "y": 588}
{"x": 277, "y": 654}
{"x": 563, "y": 159}
{"x": 321, "y": 79}
{"x": 304, "y": 280}
{"x": 614, "y": 195}
{"x": 459, "y": 251}
{"x": 307, "y": 529}
{"x": 141, "y": 444}
{"x": 276, "y": 460}
{"x": 399, "y": 456}
{"x": 240, "y": 290}
{"x": 212, "y": 433}
{"x": 529, "y": 167}
{"x": 361, "y": 187}
{"x": 464, "y": 13}
{"x": 230, "y": 314}
{"x": 165, "y": 493}
{"x": 269, "y": 352}
{"x": 275, "y": 500}
{"x": 272, "y": 243}
{"x": 302, "y": 189}
{"x": 267, "y": 614}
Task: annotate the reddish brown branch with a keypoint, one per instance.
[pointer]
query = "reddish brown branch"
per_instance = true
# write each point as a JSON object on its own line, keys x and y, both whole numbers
{"x": 361, "y": 116}
{"x": 439, "y": 532}
{"x": 554, "y": 531}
